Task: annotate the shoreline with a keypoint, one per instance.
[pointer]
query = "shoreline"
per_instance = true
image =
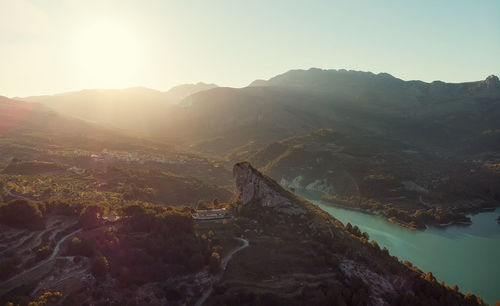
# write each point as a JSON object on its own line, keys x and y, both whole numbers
{"x": 395, "y": 220}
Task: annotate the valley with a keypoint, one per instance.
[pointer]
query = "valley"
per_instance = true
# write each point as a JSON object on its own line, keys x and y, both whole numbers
{"x": 249, "y": 153}
{"x": 97, "y": 210}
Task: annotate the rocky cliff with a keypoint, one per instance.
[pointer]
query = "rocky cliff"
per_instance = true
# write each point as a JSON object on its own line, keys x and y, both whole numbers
{"x": 254, "y": 187}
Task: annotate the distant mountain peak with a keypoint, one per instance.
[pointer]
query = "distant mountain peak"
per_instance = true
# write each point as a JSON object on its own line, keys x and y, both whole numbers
{"x": 492, "y": 80}
{"x": 179, "y": 92}
{"x": 317, "y": 77}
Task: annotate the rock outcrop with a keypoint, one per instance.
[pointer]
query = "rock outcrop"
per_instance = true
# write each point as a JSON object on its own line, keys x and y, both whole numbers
{"x": 254, "y": 188}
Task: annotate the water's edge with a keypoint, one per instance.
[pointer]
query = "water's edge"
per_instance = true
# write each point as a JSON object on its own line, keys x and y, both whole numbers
{"x": 468, "y": 256}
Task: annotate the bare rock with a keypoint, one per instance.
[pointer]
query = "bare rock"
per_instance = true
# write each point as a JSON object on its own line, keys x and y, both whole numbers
{"x": 253, "y": 187}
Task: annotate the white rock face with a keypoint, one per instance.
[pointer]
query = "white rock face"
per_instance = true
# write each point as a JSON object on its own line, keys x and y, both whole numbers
{"x": 412, "y": 186}
{"x": 295, "y": 183}
{"x": 319, "y": 185}
{"x": 380, "y": 286}
{"x": 252, "y": 187}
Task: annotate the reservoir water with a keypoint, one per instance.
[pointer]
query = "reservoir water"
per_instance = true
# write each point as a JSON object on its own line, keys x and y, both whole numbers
{"x": 468, "y": 256}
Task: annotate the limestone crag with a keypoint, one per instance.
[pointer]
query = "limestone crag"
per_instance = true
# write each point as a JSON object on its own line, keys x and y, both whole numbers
{"x": 252, "y": 187}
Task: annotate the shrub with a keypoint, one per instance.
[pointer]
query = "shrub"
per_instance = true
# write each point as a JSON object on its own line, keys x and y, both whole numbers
{"x": 43, "y": 252}
{"x": 100, "y": 266}
{"x": 91, "y": 216}
{"x": 80, "y": 247}
{"x": 214, "y": 261}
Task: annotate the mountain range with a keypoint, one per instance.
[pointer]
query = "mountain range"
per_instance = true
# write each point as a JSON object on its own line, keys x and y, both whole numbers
{"x": 425, "y": 145}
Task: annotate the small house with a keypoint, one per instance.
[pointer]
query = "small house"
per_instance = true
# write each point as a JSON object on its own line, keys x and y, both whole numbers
{"x": 210, "y": 214}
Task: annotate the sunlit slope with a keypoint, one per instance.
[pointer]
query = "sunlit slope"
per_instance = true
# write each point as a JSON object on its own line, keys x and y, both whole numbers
{"x": 132, "y": 108}
{"x": 136, "y": 109}
{"x": 27, "y": 128}
{"x": 41, "y": 150}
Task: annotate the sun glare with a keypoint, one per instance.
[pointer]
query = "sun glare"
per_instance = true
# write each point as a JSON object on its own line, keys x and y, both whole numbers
{"x": 107, "y": 55}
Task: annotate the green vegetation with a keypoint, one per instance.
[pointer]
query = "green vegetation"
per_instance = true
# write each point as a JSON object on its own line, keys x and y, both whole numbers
{"x": 287, "y": 251}
{"x": 113, "y": 185}
{"x": 411, "y": 188}
{"x": 53, "y": 165}
{"x": 31, "y": 167}
{"x": 47, "y": 298}
{"x": 416, "y": 219}
{"x": 316, "y": 253}
{"x": 21, "y": 214}
{"x": 144, "y": 246}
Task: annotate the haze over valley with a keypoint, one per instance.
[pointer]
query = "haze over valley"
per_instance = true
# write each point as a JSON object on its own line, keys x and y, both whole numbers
{"x": 249, "y": 172}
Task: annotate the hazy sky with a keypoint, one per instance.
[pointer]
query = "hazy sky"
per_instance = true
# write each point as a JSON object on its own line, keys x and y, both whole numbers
{"x": 55, "y": 46}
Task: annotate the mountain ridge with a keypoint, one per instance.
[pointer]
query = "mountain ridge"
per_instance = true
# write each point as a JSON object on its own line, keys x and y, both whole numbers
{"x": 294, "y": 73}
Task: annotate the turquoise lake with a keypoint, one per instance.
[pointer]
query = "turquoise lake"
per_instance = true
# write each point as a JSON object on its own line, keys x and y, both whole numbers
{"x": 468, "y": 256}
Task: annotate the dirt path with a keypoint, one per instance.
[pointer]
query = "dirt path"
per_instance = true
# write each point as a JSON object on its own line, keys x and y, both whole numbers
{"x": 21, "y": 197}
{"x": 223, "y": 265}
{"x": 229, "y": 256}
{"x": 23, "y": 277}
{"x": 18, "y": 244}
{"x": 58, "y": 245}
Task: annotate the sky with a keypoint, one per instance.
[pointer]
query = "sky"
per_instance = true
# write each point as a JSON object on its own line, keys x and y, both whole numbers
{"x": 56, "y": 46}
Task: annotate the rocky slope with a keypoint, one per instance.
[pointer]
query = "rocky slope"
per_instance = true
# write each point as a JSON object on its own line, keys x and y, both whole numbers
{"x": 251, "y": 186}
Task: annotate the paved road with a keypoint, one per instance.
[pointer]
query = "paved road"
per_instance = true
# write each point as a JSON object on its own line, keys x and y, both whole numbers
{"x": 218, "y": 276}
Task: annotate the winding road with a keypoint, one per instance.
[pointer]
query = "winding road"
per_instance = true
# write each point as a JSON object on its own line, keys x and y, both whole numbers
{"x": 21, "y": 197}
{"x": 223, "y": 265}
{"x": 9, "y": 284}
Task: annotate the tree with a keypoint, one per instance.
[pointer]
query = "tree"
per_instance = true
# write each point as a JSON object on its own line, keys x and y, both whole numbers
{"x": 203, "y": 205}
{"x": 100, "y": 266}
{"x": 215, "y": 203}
{"x": 91, "y": 216}
{"x": 348, "y": 226}
{"x": 196, "y": 262}
{"x": 80, "y": 247}
{"x": 47, "y": 298}
{"x": 473, "y": 299}
{"x": 22, "y": 214}
{"x": 43, "y": 252}
{"x": 430, "y": 277}
{"x": 214, "y": 261}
